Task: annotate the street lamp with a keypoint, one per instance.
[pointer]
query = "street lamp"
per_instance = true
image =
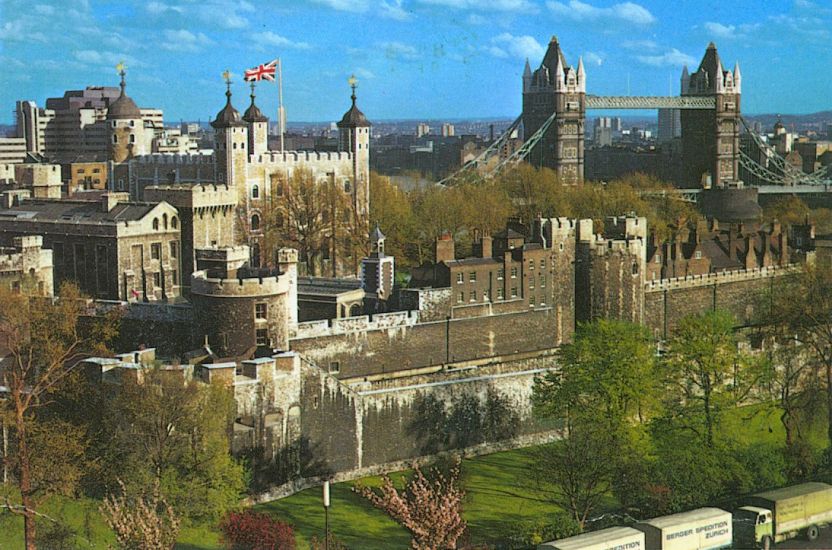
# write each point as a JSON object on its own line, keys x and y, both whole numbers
{"x": 326, "y": 514}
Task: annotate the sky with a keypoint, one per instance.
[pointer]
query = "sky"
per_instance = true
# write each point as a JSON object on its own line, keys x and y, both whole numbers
{"x": 414, "y": 59}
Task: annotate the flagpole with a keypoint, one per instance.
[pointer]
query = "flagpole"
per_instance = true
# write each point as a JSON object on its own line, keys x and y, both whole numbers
{"x": 281, "y": 117}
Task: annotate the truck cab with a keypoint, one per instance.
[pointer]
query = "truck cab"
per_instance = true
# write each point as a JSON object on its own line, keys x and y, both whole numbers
{"x": 753, "y": 528}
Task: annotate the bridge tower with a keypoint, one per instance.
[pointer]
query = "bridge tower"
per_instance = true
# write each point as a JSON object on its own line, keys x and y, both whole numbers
{"x": 559, "y": 90}
{"x": 711, "y": 138}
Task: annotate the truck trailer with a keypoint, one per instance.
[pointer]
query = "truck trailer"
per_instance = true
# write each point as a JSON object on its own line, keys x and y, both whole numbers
{"x": 614, "y": 538}
{"x": 774, "y": 516}
{"x": 700, "y": 529}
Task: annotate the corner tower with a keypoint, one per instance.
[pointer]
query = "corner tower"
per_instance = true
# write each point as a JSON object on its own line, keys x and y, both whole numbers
{"x": 258, "y": 128}
{"x": 711, "y": 138}
{"x": 230, "y": 144}
{"x": 124, "y": 125}
{"x": 558, "y": 90}
{"x": 354, "y": 138}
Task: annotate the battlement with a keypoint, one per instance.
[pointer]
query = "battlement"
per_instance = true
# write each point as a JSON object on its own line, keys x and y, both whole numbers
{"x": 601, "y": 246}
{"x": 174, "y": 158}
{"x": 298, "y": 157}
{"x": 252, "y": 286}
{"x": 199, "y": 195}
{"x": 362, "y": 323}
{"x": 721, "y": 277}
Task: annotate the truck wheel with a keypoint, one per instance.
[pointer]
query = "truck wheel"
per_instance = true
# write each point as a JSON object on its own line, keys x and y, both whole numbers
{"x": 812, "y": 532}
{"x": 767, "y": 544}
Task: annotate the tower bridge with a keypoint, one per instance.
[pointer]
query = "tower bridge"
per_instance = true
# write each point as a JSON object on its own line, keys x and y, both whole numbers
{"x": 555, "y": 100}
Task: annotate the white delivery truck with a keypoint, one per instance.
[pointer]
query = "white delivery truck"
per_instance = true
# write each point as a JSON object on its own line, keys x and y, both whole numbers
{"x": 700, "y": 529}
{"x": 614, "y": 538}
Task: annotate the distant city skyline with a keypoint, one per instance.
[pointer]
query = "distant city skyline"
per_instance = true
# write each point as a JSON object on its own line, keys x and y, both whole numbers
{"x": 415, "y": 59}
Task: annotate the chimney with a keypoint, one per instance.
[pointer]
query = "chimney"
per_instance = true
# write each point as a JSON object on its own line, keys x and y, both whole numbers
{"x": 109, "y": 200}
{"x": 484, "y": 247}
{"x": 445, "y": 248}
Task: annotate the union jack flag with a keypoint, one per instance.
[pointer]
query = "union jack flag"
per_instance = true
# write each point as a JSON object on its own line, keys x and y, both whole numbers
{"x": 261, "y": 72}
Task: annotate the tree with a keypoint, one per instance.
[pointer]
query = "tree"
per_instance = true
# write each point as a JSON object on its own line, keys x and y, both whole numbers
{"x": 606, "y": 378}
{"x": 45, "y": 341}
{"x": 175, "y": 434}
{"x": 390, "y": 207}
{"x": 141, "y": 521}
{"x": 431, "y": 510}
{"x": 575, "y": 473}
{"x": 250, "y": 530}
{"x": 706, "y": 373}
{"x": 315, "y": 217}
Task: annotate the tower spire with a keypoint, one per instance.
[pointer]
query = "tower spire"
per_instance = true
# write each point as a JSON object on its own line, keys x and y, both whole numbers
{"x": 121, "y": 68}
{"x": 226, "y": 75}
{"x": 353, "y": 82}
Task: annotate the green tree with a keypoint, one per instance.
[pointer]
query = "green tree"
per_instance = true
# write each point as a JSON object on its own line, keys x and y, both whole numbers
{"x": 706, "y": 374}
{"x": 606, "y": 376}
{"x": 390, "y": 207}
{"x": 176, "y": 434}
{"x": 45, "y": 341}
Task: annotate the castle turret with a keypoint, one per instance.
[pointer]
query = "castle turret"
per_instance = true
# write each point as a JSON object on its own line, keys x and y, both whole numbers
{"x": 124, "y": 125}
{"x": 354, "y": 138}
{"x": 258, "y": 128}
{"x": 527, "y": 77}
{"x": 230, "y": 144}
{"x": 378, "y": 269}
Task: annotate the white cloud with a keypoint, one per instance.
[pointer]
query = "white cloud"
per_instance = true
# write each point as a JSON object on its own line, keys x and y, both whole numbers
{"x": 183, "y": 40}
{"x": 718, "y": 30}
{"x": 394, "y": 10}
{"x": 399, "y": 51}
{"x": 593, "y": 58}
{"x": 226, "y": 14}
{"x": 357, "y": 6}
{"x": 105, "y": 59}
{"x": 639, "y": 45}
{"x": 18, "y": 31}
{"x": 524, "y": 46}
{"x": 390, "y": 9}
{"x": 673, "y": 58}
{"x": 269, "y": 38}
{"x": 627, "y": 12}
{"x": 43, "y": 9}
{"x": 476, "y": 19}
{"x": 485, "y": 5}
{"x": 361, "y": 72}
{"x": 160, "y": 7}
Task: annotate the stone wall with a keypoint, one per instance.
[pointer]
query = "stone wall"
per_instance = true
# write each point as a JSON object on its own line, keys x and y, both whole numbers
{"x": 380, "y": 351}
{"x": 742, "y": 293}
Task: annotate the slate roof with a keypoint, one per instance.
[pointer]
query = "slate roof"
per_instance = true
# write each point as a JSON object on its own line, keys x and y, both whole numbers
{"x": 228, "y": 115}
{"x": 76, "y": 211}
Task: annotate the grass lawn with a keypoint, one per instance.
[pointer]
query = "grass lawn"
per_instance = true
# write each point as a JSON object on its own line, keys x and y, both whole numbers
{"x": 498, "y": 498}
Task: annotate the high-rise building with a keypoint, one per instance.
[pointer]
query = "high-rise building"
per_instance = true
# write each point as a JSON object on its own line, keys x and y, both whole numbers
{"x": 447, "y": 130}
{"x": 422, "y": 129}
{"x": 670, "y": 125}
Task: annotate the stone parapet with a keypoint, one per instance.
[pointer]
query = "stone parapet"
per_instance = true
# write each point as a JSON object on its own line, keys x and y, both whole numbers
{"x": 718, "y": 278}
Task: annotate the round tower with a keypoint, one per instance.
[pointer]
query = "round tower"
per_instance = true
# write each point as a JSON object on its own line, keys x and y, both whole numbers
{"x": 124, "y": 125}
{"x": 354, "y": 138}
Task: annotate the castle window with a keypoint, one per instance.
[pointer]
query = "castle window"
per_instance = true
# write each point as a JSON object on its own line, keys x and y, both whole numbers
{"x": 115, "y": 138}
{"x": 460, "y": 297}
{"x": 156, "y": 224}
{"x": 543, "y": 281}
{"x": 174, "y": 277}
{"x": 472, "y": 276}
{"x": 543, "y": 262}
{"x": 165, "y": 220}
{"x": 174, "y": 249}
{"x": 113, "y": 124}
{"x": 260, "y": 311}
{"x": 658, "y": 258}
{"x": 513, "y": 272}
{"x": 157, "y": 280}
{"x": 155, "y": 251}
{"x": 255, "y": 222}
{"x": 347, "y": 186}
{"x": 132, "y": 123}
{"x": 514, "y": 292}
{"x": 501, "y": 273}
{"x": 174, "y": 223}
{"x": 486, "y": 295}
{"x": 698, "y": 255}
{"x": 531, "y": 264}
{"x": 255, "y": 192}
{"x": 261, "y": 337}
{"x": 500, "y": 294}
{"x": 80, "y": 170}
{"x": 531, "y": 301}
{"x": 460, "y": 278}
{"x": 473, "y": 297}
{"x": 635, "y": 269}
{"x": 132, "y": 138}
{"x": 334, "y": 367}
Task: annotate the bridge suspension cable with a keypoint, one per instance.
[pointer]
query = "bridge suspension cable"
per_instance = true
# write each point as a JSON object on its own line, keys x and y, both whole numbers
{"x": 784, "y": 173}
{"x": 485, "y": 156}
{"x": 526, "y": 148}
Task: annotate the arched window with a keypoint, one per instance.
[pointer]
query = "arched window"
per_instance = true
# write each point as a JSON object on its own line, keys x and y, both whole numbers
{"x": 255, "y": 255}
{"x": 255, "y": 222}
{"x": 132, "y": 138}
{"x": 155, "y": 224}
{"x": 255, "y": 192}
{"x": 165, "y": 221}
{"x": 174, "y": 223}
{"x": 115, "y": 138}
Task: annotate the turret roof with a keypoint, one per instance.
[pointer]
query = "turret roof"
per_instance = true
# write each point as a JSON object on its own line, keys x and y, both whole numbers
{"x": 123, "y": 107}
{"x": 253, "y": 113}
{"x": 228, "y": 116}
{"x": 353, "y": 118}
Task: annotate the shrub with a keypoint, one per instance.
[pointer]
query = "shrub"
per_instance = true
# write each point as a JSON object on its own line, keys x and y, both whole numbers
{"x": 249, "y": 530}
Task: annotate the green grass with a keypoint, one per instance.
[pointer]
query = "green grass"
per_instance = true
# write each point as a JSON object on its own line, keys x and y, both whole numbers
{"x": 498, "y": 498}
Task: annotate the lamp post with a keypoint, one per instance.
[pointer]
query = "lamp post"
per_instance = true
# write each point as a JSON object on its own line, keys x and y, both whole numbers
{"x": 326, "y": 514}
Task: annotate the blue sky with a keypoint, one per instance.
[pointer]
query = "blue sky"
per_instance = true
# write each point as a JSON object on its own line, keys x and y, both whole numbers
{"x": 414, "y": 58}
